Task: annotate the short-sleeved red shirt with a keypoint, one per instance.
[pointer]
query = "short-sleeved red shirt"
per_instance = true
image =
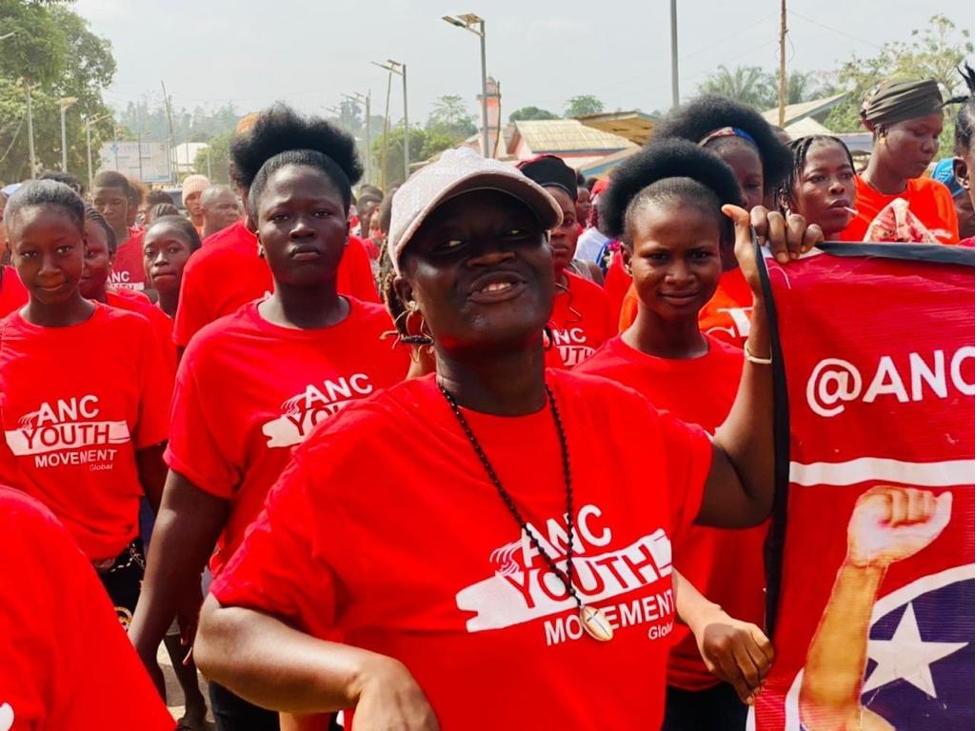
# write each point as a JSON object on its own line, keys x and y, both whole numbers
{"x": 76, "y": 403}
{"x": 929, "y": 200}
{"x": 249, "y": 391}
{"x": 128, "y": 268}
{"x": 385, "y": 533}
{"x": 581, "y": 321}
{"x": 67, "y": 663}
{"x": 13, "y": 293}
{"x": 127, "y": 299}
{"x": 228, "y": 273}
{"x": 725, "y": 565}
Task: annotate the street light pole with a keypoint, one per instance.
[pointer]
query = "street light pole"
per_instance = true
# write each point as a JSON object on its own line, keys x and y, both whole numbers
{"x": 88, "y": 144}
{"x": 468, "y": 22}
{"x": 403, "y": 76}
{"x": 396, "y": 67}
{"x": 64, "y": 105}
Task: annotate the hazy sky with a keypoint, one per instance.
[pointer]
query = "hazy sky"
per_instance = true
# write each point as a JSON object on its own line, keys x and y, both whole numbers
{"x": 543, "y": 52}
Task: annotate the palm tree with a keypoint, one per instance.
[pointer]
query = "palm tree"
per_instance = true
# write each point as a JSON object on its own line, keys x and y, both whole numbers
{"x": 746, "y": 84}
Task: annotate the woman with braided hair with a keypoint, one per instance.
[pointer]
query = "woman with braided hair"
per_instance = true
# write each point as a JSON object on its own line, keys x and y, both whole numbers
{"x": 821, "y": 184}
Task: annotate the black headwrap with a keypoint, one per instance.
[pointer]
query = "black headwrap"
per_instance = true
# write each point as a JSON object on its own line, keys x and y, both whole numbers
{"x": 897, "y": 101}
{"x": 551, "y": 172}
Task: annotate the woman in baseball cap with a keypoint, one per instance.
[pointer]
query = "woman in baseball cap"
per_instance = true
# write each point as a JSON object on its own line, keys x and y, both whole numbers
{"x": 454, "y": 551}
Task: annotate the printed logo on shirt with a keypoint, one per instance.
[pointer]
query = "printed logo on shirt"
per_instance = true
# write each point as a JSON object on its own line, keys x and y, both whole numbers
{"x": 302, "y": 412}
{"x": 68, "y": 432}
{"x": 524, "y": 588}
{"x": 124, "y": 279}
{"x": 571, "y": 342}
{"x": 741, "y": 322}
{"x": 7, "y": 717}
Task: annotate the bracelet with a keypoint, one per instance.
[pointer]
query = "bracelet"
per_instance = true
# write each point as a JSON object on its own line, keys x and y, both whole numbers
{"x": 754, "y": 359}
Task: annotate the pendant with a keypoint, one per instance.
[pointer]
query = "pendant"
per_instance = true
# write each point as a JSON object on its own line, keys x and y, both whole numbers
{"x": 595, "y": 623}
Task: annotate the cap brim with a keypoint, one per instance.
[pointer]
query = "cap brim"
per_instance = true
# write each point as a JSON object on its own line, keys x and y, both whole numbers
{"x": 518, "y": 186}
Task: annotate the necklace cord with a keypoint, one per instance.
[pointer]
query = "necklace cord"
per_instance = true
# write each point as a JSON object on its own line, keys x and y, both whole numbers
{"x": 566, "y": 577}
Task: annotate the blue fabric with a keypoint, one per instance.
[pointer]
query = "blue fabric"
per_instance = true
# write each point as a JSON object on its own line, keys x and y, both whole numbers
{"x": 943, "y": 172}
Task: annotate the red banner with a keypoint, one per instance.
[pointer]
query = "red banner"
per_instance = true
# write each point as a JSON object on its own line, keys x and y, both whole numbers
{"x": 871, "y": 557}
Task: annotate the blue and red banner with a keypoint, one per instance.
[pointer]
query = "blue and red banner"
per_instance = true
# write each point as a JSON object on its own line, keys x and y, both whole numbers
{"x": 871, "y": 553}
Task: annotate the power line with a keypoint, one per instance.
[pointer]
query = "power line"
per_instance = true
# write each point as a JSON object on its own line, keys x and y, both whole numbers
{"x": 835, "y": 30}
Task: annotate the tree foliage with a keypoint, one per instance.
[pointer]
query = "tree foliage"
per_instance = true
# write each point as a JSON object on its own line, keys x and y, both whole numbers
{"x": 531, "y": 113}
{"x": 935, "y": 52}
{"x": 219, "y": 152}
{"x": 760, "y": 89}
{"x": 579, "y": 106}
{"x": 53, "y": 50}
{"x": 451, "y": 118}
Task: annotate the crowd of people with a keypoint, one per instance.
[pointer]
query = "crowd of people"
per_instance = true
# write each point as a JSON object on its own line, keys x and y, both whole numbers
{"x": 490, "y": 450}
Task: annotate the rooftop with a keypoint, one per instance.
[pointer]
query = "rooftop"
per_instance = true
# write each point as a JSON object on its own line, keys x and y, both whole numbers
{"x": 634, "y": 125}
{"x": 794, "y": 112}
{"x": 567, "y": 135}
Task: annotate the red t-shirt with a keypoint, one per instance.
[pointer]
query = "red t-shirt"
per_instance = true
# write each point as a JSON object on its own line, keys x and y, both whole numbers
{"x": 248, "y": 391}
{"x": 76, "y": 403}
{"x": 385, "y": 533}
{"x": 228, "y": 273}
{"x": 725, "y": 565}
{"x": 128, "y": 268}
{"x": 162, "y": 324}
{"x": 13, "y": 293}
{"x": 929, "y": 200}
{"x": 726, "y": 316}
{"x": 581, "y": 321}
{"x": 616, "y": 282}
{"x": 67, "y": 663}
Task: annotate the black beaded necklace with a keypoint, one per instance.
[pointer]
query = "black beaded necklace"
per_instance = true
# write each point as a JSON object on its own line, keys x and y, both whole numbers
{"x": 592, "y": 619}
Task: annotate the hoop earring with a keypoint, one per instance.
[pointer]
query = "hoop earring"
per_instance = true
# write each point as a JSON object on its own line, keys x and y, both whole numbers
{"x": 423, "y": 338}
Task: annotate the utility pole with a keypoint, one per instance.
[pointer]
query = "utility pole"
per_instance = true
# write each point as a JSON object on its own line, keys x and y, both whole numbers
{"x": 30, "y": 131}
{"x": 673, "y": 13}
{"x": 64, "y": 104}
{"x": 782, "y": 114}
{"x": 169, "y": 120}
{"x": 89, "y": 121}
{"x": 139, "y": 141}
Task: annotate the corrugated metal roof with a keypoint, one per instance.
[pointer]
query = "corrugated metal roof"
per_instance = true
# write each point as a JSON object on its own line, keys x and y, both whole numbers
{"x": 794, "y": 112}
{"x": 806, "y": 127}
{"x": 635, "y": 126}
{"x": 566, "y": 135}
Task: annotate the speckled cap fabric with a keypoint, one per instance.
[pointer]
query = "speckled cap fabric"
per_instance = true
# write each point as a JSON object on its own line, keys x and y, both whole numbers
{"x": 456, "y": 172}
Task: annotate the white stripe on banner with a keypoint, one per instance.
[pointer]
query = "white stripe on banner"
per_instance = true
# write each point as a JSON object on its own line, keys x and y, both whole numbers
{"x": 864, "y": 469}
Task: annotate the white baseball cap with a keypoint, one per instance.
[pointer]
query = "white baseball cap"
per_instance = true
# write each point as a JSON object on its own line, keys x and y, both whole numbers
{"x": 456, "y": 172}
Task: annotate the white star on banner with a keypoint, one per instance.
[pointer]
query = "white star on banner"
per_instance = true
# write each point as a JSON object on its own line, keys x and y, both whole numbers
{"x": 907, "y": 657}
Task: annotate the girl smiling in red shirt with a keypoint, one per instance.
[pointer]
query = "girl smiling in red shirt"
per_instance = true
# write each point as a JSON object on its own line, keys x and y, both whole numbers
{"x": 664, "y": 204}
{"x": 85, "y": 436}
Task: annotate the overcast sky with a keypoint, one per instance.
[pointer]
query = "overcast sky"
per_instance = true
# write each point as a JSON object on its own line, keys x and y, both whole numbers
{"x": 543, "y": 52}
